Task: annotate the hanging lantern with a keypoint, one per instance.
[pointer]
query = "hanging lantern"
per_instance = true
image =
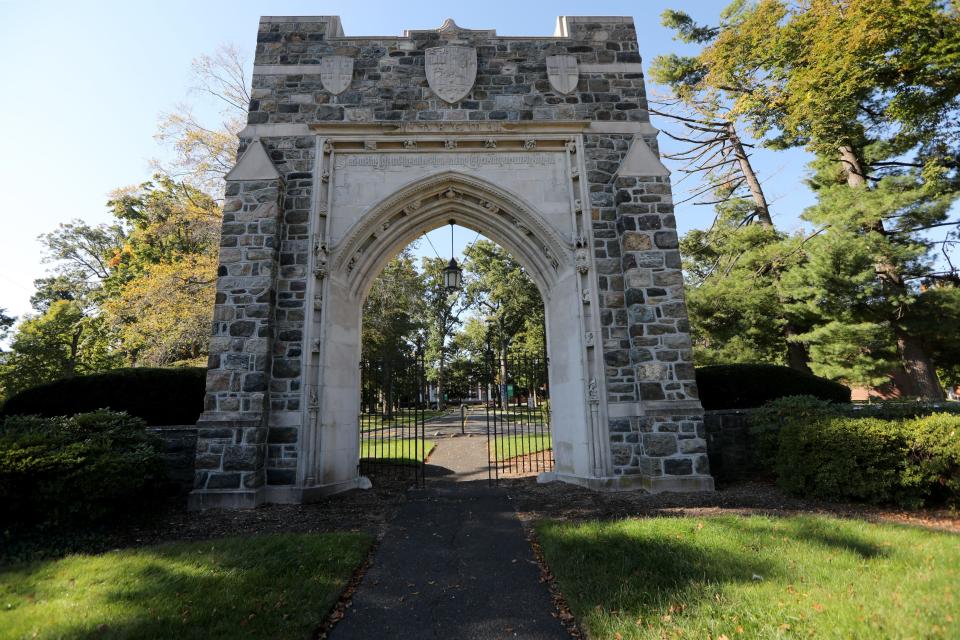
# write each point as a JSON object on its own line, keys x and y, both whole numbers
{"x": 452, "y": 273}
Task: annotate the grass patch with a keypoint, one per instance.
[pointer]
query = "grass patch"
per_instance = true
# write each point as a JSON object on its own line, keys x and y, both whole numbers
{"x": 397, "y": 450}
{"x": 513, "y": 446}
{"x": 371, "y": 421}
{"x": 756, "y": 577}
{"x": 270, "y": 586}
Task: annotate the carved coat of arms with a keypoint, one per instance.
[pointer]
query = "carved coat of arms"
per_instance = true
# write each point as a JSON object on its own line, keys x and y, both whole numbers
{"x": 451, "y": 71}
{"x": 563, "y": 73}
{"x": 336, "y": 73}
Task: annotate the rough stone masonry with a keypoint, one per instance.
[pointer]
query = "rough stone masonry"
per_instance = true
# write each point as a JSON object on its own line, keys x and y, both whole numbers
{"x": 357, "y": 145}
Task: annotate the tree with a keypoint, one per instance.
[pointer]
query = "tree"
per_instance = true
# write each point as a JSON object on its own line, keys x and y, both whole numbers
{"x": 160, "y": 288}
{"x": 203, "y": 154}
{"x": 735, "y": 301}
{"x": 871, "y": 86}
{"x": 392, "y": 322}
{"x": 60, "y": 343}
{"x": 441, "y": 313}
{"x": 6, "y": 323}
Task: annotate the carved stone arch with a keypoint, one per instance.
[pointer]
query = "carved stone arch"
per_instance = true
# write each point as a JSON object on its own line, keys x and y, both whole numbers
{"x": 429, "y": 203}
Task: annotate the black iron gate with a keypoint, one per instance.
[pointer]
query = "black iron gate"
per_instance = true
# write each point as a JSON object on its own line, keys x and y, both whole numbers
{"x": 519, "y": 441}
{"x": 393, "y": 405}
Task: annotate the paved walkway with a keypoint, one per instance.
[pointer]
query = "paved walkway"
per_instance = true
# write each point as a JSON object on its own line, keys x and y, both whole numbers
{"x": 454, "y": 563}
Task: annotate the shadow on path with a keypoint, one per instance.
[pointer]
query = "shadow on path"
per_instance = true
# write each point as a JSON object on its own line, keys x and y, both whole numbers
{"x": 453, "y": 563}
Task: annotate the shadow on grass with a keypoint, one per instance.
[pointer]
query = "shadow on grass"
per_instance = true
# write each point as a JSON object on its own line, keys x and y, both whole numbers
{"x": 258, "y": 587}
{"x": 645, "y": 566}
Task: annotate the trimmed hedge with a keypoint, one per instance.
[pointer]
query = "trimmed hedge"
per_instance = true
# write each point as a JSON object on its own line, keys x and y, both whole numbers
{"x": 77, "y": 469}
{"x": 744, "y": 386}
{"x": 818, "y": 450}
{"x": 157, "y": 396}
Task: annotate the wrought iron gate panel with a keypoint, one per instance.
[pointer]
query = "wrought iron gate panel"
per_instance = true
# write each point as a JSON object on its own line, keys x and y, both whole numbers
{"x": 393, "y": 404}
{"x": 518, "y": 416}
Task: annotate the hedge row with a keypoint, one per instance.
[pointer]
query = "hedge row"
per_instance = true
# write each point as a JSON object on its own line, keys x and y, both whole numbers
{"x": 744, "y": 386}
{"x": 157, "y": 396}
{"x": 175, "y": 396}
{"x": 82, "y": 468}
{"x": 817, "y": 450}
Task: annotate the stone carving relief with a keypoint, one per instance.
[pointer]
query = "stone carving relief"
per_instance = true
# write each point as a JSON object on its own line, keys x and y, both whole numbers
{"x": 336, "y": 73}
{"x": 451, "y": 71}
{"x": 320, "y": 260}
{"x": 593, "y": 392}
{"x": 582, "y": 260}
{"x": 585, "y": 296}
{"x": 563, "y": 73}
{"x": 588, "y": 339}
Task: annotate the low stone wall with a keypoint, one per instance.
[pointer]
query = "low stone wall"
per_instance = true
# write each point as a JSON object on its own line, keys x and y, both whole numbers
{"x": 179, "y": 454}
{"x": 730, "y": 447}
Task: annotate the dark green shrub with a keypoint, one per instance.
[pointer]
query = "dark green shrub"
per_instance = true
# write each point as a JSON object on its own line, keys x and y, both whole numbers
{"x": 767, "y": 422}
{"x": 80, "y": 468}
{"x": 744, "y": 386}
{"x": 840, "y": 458}
{"x": 933, "y": 463}
{"x": 158, "y": 396}
{"x": 835, "y": 457}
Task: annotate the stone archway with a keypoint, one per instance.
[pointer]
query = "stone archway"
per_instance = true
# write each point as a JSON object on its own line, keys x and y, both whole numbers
{"x": 339, "y": 170}
{"x": 366, "y": 247}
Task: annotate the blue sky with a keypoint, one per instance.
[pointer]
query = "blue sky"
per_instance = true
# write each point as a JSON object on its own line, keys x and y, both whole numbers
{"x": 85, "y": 82}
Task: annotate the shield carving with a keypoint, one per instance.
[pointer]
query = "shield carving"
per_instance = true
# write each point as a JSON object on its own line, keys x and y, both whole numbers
{"x": 336, "y": 73}
{"x": 563, "y": 73}
{"x": 451, "y": 71}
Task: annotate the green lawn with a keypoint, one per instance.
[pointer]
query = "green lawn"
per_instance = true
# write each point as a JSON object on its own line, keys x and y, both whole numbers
{"x": 369, "y": 421}
{"x": 269, "y": 586}
{"x": 756, "y": 577}
{"x": 513, "y": 446}
{"x": 400, "y": 450}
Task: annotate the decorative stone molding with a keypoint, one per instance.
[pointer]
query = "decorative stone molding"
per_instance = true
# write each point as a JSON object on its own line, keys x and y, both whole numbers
{"x": 336, "y": 73}
{"x": 563, "y": 73}
{"x": 451, "y": 71}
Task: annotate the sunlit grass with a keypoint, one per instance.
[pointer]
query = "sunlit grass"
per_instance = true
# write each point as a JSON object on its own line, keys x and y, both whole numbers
{"x": 397, "y": 450}
{"x": 270, "y": 586}
{"x": 508, "y": 447}
{"x": 756, "y": 577}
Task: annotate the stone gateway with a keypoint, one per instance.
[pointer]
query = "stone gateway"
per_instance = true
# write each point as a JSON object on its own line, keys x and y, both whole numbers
{"x": 358, "y": 145}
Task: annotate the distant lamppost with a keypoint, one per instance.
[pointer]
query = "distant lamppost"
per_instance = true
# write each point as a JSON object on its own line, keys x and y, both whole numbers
{"x": 452, "y": 273}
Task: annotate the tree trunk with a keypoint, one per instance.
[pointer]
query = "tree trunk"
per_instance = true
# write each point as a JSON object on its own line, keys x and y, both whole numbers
{"x": 797, "y": 357}
{"x": 441, "y": 404}
{"x": 756, "y": 191}
{"x": 913, "y": 357}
